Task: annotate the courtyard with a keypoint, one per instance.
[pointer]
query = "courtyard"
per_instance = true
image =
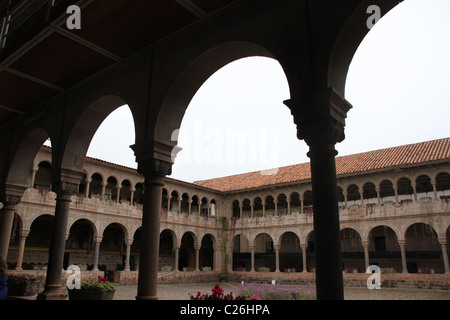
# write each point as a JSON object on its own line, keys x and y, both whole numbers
{"x": 182, "y": 291}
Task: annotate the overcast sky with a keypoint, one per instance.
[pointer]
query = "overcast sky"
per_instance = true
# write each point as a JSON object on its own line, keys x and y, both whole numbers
{"x": 398, "y": 84}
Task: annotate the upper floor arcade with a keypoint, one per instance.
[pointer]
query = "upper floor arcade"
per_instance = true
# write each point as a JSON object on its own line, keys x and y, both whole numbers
{"x": 404, "y": 180}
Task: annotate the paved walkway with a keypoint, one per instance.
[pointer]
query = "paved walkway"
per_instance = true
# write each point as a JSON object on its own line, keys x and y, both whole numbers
{"x": 182, "y": 291}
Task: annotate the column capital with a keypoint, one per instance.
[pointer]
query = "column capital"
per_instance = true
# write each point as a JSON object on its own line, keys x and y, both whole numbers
{"x": 320, "y": 117}
{"x": 12, "y": 194}
{"x": 155, "y": 167}
{"x": 67, "y": 182}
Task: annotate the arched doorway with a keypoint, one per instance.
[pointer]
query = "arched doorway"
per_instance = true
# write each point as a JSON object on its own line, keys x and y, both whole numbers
{"x": 423, "y": 251}
{"x": 290, "y": 253}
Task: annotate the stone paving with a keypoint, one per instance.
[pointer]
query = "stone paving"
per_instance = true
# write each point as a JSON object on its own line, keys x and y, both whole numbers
{"x": 182, "y": 291}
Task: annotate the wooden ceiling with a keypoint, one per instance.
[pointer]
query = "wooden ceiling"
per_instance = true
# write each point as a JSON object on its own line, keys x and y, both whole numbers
{"x": 41, "y": 57}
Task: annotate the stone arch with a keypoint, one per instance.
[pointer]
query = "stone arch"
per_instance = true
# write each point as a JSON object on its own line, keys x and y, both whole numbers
{"x": 351, "y": 35}
{"x": 186, "y": 85}
{"x": 84, "y": 128}
{"x": 290, "y": 256}
{"x": 16, "y": 173}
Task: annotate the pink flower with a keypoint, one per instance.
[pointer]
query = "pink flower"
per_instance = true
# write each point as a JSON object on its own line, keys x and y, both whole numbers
{"x": 256, "y": 297}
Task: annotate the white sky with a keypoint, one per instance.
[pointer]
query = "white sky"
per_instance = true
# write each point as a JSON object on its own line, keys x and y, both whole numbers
{"x": 398, "y": 84}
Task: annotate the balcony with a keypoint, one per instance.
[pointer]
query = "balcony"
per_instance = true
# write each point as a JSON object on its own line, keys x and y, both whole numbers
{"x": 425, "y": 205}
{"x": 42, "y": 196}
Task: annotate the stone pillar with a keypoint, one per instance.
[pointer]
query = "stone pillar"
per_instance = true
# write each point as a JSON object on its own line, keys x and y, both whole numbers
{"x": 443, "y": 243}
{"x": 118, "y": 188}
{"x": 275, "y": 202}
{"x": 345, "y": 198}
{"x": 128, "y": 243}
{"x": 215, "y": 266}
{"x": 86, "y": 191}
{"x": 33, "y": 176}
{"x": 435, "y": 196}
{"x": 23, "y": 237}
{"x": 365, "y": 244}
{"x": 396, "y": 193}
{"x": 252, "y": 254}
{"x": 10, "y": 199}
{"x": 132, "y": 196}
{"x": 288, "y": 201}
{"x": 64, "y": 189}
{"x": 6, "y": 223}
{"x": 413, "y": 184}
{"x": 97, "y": 241}
{"x": 197, "y": 257}
{"x": 179, "y": 205}
{"x": 153, "y": 170}
{"x": 251, "y": 209}
{"x": 377, "y": 189}
{"x": 177, "y": 254}
{"x": 320, "y": 119}
{"x": 304, "y": 246}
{"x": 277, "y": 257}
{"x": 402, "y": 244}
{"x": 103, "y": 191}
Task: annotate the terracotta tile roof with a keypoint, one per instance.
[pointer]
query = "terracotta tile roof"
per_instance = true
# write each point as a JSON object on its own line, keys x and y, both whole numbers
{"x": 407, "y": 155}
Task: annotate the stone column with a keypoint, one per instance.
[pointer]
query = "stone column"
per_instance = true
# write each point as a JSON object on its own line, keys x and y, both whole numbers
{"x": 97, "y": 241}
{"x": 365, "y": 244}
{"x": 288, "y": 201}
{"x": 86, "y": 191}
{"x": 304, "y": 246}
{"x": 275, "y": 202}
{"x": 251, "y": 209}
{"x": 402, "y": 244}
{"x": 64, "y": 189}
{"x": 435, "y": 196}
{"x": 252, "y": 254}
{"x": 33, "y": 176}
{"x": 132, "y": 195}
{"x": 277, "y": 257}
{"x": 177, "y": 253}
{"x": 197, "y": 257}
{"x": 118, "y": 188}
{"x": 377, "y": 189}
{"x": 6, "y": 222}
{"x": 414, "y": 185}
{"x": 128, "y": 243}
{"x": 320, "y": 119}
{"x": 23, "y": 237}
{"x": 103, "y": 191}
{"x": 215, "y": 266}
{"x": 345, "y": 198}
{"x": 443, "y": 243}
{"x": 153, "y": 170}
{"x": 396, "y": 193}
{"x": 179, "y": 205}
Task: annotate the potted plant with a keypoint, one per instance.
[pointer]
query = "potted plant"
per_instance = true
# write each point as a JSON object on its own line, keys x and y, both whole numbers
{"x": 3, "y": 280}
{"x": 23, "y": 285}
{"x": 93, "y": 289}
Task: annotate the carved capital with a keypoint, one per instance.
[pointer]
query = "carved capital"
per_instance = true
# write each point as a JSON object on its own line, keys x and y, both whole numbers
{"x": 155, "y": 167}
{"x": 67, "y": 183}
{"x": 320, "y": 117}
{"x": 12, "y": 194}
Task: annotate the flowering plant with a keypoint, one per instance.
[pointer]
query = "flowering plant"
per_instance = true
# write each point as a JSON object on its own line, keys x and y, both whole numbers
{"x": 217, "y": 294}
{"x": 22, "y": 278}
{"x": 99, "y": 283}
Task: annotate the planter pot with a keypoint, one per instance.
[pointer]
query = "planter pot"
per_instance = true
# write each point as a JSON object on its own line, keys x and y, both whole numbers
{"x": 91, "y": 294}
{"x": 28, "y": 288}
